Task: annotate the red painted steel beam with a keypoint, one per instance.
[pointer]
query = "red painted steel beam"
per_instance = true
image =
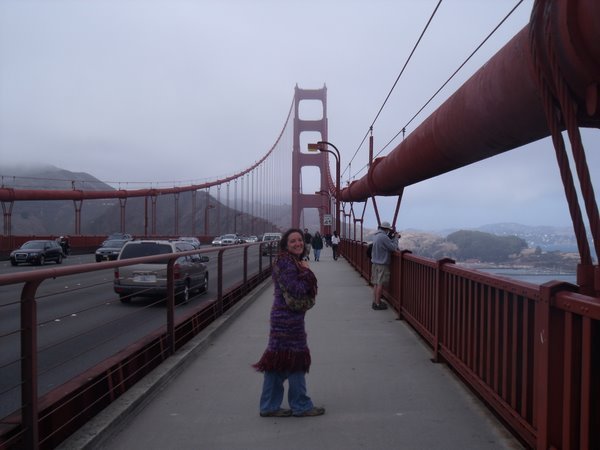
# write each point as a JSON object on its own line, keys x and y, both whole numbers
{"x": 497, "y": 109}
{"x": 11, "y": 194}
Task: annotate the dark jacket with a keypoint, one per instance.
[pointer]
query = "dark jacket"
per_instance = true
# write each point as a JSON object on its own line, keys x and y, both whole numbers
{"x": 317, "y": 242}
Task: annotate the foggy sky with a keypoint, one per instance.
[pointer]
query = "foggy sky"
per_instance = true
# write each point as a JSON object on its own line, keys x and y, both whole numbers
{"x": 174, "y": 90}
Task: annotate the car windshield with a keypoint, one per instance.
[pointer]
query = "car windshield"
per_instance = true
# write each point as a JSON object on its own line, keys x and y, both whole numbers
{"x": 229, "y": 236}
{"x": 33, "y": 244}
{"x": 271, "y": 238}
{"x": 146, "y": 249}
{"x": 114, "y": 243}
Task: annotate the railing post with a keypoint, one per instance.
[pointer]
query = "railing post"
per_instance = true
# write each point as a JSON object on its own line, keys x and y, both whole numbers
{"x": 365, "y": 262}
{"x": 219, "y": 306}
{"x": 548, "y": 368}
{"x": 597, "y": 280}
{"x": 29, "y": 388}
{"x": 586, "y": 274}
{"x": 401, "y": 284}
{"x": 440, "y": 305}
{"x": 170, "y": 307}
{"x": 245, "y": 264}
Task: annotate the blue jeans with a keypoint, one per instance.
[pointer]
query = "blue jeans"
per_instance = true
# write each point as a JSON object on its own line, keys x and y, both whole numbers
{"x": 272, "y": 393}
{"x": 317, "y": 253}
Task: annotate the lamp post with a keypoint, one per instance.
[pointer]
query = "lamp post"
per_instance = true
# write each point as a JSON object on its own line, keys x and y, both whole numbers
{"x": 321, "y": 146}
{"x": 206, "y": 208}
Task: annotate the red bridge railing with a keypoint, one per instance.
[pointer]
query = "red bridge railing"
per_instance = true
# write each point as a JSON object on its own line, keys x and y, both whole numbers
{"x": 527, "y": 351}
{"x": 45, "y": 419}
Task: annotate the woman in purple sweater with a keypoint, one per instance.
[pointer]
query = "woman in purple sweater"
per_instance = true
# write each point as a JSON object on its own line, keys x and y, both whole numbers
{"x": 287, "y": 356}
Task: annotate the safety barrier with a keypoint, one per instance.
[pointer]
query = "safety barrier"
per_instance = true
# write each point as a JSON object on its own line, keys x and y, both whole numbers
{"x": 527, "y": 351}
{"x": 43, "y": 420}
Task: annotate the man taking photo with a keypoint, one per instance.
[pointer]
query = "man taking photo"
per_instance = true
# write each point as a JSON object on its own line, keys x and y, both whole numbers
{"x": 385, "y": 242}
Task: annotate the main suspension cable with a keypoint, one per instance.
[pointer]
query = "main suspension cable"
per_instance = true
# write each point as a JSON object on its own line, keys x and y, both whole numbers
{"x": 403, "y": 129}
{"x": 395, "y": 82}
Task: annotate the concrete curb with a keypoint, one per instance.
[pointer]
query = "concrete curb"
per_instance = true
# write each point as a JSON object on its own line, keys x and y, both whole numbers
{"x": 115, "y": 416}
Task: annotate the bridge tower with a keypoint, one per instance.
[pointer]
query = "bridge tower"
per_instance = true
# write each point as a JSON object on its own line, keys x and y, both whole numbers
{"x": 301, "y": 158}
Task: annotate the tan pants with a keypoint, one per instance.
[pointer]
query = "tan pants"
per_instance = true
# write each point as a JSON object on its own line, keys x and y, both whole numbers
{"x": 380, "y": 274}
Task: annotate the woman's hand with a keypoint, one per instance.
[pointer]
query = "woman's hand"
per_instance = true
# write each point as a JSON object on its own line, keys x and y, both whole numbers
{"x": 304, "y": 264}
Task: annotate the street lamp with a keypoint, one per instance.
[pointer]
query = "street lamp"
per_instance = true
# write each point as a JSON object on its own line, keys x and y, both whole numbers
{"x": 321, "y": 146}
{"x": 206, "y": 208}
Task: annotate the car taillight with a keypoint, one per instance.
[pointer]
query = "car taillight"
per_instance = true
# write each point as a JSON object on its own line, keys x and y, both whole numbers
{"x": 116, "y": 274}
{"x": 176, "y": 273}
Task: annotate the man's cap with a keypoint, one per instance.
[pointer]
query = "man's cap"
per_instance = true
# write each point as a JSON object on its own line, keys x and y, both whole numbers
{"x": 385, "y": 225}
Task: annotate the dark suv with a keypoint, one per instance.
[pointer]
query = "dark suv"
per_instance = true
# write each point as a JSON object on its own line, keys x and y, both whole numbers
{"x": 150, "y": 279}
{"x": 37, "y": 252}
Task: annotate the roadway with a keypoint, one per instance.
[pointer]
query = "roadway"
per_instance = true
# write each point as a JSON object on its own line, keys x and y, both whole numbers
{"x": 81, "y": 321}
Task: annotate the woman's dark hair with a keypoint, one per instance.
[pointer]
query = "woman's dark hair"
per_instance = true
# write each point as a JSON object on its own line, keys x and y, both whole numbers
{"x": 286, "y": 235}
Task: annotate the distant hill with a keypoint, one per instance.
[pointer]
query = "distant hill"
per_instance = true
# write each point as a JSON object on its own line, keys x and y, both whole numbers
{"x": 100, "y": 217}
{"x": 478, "y": 247}
{"x": 546, "y": 237}
{"x": 547, "y": 247}
{"x": 57, "y": 217}
{"x": 49, "y": 177}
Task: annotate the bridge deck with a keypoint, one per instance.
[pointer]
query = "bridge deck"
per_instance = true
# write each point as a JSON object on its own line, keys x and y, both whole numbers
{"x": 370, "y": 371}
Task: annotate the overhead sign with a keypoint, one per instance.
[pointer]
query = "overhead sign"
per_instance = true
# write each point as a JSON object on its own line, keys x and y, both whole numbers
{"x": 327, "y": 219}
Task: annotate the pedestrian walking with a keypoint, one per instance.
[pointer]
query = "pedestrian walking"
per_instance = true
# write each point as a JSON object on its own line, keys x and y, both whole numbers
{"x": 317, "y": 245}
{"x": 385, "y": 242}
{"x": 307, "y": 244}
{"x": 335, "y": 242}
{"x": 287, "y": 356}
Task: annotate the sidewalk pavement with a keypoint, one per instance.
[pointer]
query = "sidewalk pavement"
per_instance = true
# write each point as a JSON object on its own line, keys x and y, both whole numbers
{"x": 370, "y": 371}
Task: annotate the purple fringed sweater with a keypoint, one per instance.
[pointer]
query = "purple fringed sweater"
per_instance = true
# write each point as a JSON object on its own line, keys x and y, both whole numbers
{"x": 287, "y": 349}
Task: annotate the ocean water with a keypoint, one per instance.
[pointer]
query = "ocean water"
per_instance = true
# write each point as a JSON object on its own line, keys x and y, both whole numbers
{"x": 532, "y": 277}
